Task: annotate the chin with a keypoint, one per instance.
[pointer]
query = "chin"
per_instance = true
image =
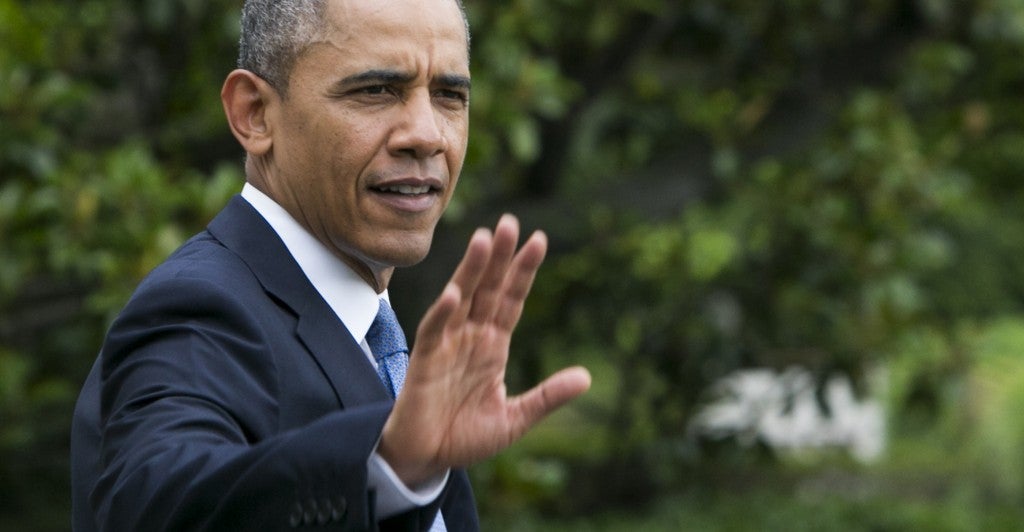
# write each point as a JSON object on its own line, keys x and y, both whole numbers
{"x": 410, "y": 259}
{"x": 408, "y": 252}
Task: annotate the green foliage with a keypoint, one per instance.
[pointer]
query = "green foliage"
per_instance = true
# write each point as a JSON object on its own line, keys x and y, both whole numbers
{"x": 993, "y": 396}
{"x": 890, "y": 226}
{"x": 727, "y": 184}
{"x": 85, "y": 212}
{"x": 826, "y": 501}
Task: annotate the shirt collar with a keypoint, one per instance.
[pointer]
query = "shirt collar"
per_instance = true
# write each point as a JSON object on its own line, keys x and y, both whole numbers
{"x": 349, "y": 296}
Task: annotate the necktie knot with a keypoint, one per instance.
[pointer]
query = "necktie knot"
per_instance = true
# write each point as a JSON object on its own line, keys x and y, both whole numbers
{"x": 389, "y": 348}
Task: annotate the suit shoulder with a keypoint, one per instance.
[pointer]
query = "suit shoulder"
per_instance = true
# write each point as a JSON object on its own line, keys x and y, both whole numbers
{"x": 202, "y": 277}
{"x": 202, "y": 260}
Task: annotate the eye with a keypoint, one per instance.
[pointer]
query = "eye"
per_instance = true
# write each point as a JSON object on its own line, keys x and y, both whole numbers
{"x": 454, "y": 97}
{"x": 375, "y": 90}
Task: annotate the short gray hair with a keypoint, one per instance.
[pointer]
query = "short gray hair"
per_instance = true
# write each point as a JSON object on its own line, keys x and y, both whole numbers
{"x": 276, "y": 32}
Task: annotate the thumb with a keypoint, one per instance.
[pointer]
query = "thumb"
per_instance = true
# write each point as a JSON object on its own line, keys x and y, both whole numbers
{"x": 533, "y": 405}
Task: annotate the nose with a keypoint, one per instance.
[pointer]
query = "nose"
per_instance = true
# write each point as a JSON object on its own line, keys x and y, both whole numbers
{"x": 419, "y": 133}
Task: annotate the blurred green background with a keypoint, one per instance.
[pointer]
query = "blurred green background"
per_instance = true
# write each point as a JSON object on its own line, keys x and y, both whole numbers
{"x": 811, "y": 191}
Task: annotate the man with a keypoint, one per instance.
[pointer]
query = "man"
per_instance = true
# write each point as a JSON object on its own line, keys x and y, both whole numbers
{"x": 243, "y": 386}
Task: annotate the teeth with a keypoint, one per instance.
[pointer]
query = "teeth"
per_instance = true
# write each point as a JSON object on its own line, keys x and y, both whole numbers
{"x": 407, "y": 189}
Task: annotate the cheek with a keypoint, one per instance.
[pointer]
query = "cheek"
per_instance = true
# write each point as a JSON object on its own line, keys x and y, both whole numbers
{"x": 357, "y": 146}
{"x": 454, "y": 161}
{"x": 458, "y": 137}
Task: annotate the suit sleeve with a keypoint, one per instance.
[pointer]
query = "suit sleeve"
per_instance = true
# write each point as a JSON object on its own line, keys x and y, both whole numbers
{"x": 190, "y": 425}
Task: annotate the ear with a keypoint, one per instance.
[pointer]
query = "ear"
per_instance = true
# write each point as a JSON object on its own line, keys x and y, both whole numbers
{"x": 246, "y": 98}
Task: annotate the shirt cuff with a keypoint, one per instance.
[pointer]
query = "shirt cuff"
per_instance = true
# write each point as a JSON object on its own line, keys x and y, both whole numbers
{"x": 393, "y": 496}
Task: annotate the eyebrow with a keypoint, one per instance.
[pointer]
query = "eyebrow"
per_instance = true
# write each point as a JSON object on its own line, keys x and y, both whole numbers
{"x": 394, "y": 77}
{"x": 455, "y": 81}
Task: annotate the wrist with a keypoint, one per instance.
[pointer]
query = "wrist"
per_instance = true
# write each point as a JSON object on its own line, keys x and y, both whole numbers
{"x": 398, "y": 450}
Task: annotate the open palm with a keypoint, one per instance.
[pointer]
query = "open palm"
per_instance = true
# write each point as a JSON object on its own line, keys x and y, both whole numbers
{"x": 454, "y": 409}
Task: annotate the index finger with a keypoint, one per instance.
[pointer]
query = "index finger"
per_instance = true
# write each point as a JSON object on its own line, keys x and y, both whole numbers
{"x": 471, "y": 268}
{"x": 503, "y": 249}
{"x": 520, "y": 278}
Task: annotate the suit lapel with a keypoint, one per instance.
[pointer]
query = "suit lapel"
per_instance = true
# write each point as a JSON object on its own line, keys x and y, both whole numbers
{"x": 242, "y": 230}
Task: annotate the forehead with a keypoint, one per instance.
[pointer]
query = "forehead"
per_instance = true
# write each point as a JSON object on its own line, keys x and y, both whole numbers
{"x": 432, "y": 30}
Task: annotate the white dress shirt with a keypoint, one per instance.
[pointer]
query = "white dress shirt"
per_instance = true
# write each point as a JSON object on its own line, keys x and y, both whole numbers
{"x": 355, "y": 302}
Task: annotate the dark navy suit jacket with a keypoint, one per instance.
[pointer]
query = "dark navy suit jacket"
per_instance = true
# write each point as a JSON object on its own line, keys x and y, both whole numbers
{"x": 228, "y": 396}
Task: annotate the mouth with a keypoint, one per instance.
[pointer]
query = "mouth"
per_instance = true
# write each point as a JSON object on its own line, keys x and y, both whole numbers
{"x": 408, "y": 186}
{"x": 406, "y": 190}
{"x": 409, "y": 195}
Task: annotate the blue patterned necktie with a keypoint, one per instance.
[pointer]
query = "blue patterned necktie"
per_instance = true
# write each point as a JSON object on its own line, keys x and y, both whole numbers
{"x": 387, "y": 343}
{"x": 389, "y": 348}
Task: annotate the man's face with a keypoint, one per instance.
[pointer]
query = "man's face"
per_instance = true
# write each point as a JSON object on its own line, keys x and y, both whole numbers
{"x": 369, "y": 141}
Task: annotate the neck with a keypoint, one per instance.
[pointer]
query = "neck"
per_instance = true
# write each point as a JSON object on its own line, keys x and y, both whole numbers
{"x": 375, "y": 275}
{"x": 377, "y": 278}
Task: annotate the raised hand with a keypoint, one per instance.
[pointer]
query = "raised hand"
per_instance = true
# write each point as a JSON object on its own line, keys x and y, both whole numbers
{"x": 454, "y": 409}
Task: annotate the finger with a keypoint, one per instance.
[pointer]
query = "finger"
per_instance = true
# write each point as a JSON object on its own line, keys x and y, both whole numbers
{"x": 430, "y": 332}
{"x": 485, "y": 300}
{"x": 520, "y": 279}
{"x": 451, "y": 307}
{"x": 472, "y": 267}
{"x": 528, "y": 409}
